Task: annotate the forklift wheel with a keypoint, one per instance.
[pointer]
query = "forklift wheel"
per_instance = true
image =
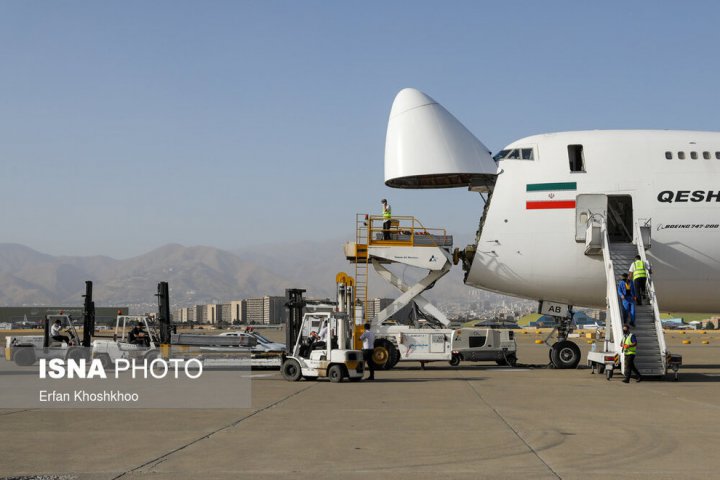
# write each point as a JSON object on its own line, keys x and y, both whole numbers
{"x": 336, "y": 373}
{"x": 608, "y": 373}
{"x": 291, "y": 370}
{"x": 24, "y": 356}
{"x": 78, "y": 353}
{"x": 152, "y": 355}
{"x": 105, "y": 360}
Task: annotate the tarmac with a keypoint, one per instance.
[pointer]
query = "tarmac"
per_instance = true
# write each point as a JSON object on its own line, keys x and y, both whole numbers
{"x": 474, "y": 421}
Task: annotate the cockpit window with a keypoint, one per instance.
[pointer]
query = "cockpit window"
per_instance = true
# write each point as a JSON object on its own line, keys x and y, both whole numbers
{"x": 501, "y": 155}
{"x": 515, "y": 154}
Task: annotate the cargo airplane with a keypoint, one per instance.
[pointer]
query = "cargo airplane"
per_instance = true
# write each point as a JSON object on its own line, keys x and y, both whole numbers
{"x": 540, "y": 192}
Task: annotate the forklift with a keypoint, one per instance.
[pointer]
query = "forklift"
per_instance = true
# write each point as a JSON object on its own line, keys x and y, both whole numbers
{"x": 27, "y": 350}
{"x": 319, "y": 347}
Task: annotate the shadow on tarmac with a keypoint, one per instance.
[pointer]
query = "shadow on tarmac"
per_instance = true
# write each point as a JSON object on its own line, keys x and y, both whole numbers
{"x": 431, "y": 379}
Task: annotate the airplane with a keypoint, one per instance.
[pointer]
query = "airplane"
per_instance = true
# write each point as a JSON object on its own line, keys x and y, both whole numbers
{"x": 541, "y": 192}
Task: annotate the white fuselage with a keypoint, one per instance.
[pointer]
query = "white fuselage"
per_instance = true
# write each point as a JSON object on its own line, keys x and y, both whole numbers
{"x": 529, "y": 250}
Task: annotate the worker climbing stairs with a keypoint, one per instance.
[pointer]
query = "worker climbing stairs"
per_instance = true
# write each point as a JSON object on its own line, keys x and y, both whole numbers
{"x": 652, "y": 358}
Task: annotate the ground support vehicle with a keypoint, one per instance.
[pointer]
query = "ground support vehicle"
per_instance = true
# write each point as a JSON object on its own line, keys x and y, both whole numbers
{"x": 26, "y": 350}
{"x": 652, "y": 358}
{"x": 330, "y": 356}
{"x": 120, "y": 347}
{"x": 483, "y": 344}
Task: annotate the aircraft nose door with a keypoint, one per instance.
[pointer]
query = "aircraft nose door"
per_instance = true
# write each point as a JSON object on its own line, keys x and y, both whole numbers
{"x": 586, "y": 207}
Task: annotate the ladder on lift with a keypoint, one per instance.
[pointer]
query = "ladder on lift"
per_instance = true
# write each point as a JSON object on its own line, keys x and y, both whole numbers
{"x": 361, "y": 264}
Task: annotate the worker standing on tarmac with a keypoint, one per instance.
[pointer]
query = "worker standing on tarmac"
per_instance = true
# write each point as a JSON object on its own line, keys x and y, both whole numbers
{"x": 387, "y": 215}
{"x": 368, "y": 339}
{"x": 639, "y": 271}
{"x": 626, "y": 290}
{"x": 629, "y": 345}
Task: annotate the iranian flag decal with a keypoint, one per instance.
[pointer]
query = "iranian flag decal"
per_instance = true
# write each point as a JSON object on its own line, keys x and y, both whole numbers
{"x": 549, "y": 196}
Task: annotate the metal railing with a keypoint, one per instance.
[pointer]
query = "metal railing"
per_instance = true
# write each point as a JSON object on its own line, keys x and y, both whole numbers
{"x": 613, "y": 303}
{"x": 403, "y": 231}
{"x": 650, "y": 287}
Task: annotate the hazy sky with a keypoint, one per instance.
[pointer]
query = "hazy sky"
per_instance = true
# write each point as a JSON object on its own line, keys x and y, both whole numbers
{"x": 127, "y": 125}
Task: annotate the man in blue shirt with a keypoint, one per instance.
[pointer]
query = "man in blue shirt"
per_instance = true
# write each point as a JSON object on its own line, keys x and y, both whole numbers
{"x": 626, "y": 291}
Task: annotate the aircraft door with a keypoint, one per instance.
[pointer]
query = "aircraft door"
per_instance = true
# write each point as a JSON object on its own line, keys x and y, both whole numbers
{"x": 620, "y": 218}
{"x": 587, "y": 205}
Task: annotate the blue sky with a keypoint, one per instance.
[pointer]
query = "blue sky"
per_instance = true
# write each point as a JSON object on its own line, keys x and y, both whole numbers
{"x": 128, "y": 125}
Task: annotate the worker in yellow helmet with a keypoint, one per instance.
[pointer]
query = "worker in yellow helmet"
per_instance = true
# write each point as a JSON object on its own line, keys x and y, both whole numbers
{"x": 387, "y": 215}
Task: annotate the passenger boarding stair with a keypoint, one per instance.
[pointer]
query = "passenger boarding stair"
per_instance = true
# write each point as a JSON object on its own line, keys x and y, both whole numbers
{"x": 651, "y": 358}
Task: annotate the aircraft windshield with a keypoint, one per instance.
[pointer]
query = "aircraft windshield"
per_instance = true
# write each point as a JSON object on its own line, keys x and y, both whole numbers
{"x": 515, "y": 154}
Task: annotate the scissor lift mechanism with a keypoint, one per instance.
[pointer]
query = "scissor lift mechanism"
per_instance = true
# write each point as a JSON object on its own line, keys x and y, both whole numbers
{"x": 410, "y": 244}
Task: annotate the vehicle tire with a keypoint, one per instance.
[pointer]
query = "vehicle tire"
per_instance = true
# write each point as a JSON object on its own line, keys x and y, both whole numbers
{"x": 336, "y": 373}
{"x": 105, "y": 360}
{"x": 151, "y": 355}
{"x": 511, "y": 360}
{"x": 455, "y": 360}
{"x": 601, "y": 368}
{"x": 565, "y": 354}
{"x": 24, "y": 356}
{"x": 291, "y": 370}
{"x": 78, "y": 353}
{"x": 608, "y": 374}
{"x": 394, "y": 358}
{"x": 383, "y": 354}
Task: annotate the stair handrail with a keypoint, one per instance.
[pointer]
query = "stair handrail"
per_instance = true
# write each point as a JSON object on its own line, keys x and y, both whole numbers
{"x": 613, "y": 302}
{"x": 650, "y": 286}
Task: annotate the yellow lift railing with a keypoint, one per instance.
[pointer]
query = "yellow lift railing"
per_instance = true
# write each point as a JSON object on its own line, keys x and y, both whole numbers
{"x": 404, "y": 231}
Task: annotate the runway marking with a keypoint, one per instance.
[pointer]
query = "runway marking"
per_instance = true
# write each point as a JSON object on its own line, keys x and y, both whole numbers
{"x": 165, "y": 456}
{"x": 16, "y": 411}
{"x": 517, "y": 434}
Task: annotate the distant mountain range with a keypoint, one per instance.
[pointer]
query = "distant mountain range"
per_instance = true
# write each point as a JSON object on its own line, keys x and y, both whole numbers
{"x": 196, "y": 275}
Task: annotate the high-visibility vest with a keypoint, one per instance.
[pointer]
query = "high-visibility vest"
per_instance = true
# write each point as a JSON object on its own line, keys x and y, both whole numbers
{"x": 628, "y": 341}
{"x": 387, "y": 213}
{"x": 639, "y": 271}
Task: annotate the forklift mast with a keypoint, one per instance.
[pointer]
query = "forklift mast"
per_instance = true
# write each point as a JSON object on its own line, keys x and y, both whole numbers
{"x": 295, "y": 305}
{"x": 88, "y": 316}
{"x": 46, "y": 332}
{"x": 164, "y": 312}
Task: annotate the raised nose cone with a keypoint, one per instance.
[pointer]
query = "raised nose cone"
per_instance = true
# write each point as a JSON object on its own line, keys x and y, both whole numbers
{"x": 427, "y": 147}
